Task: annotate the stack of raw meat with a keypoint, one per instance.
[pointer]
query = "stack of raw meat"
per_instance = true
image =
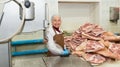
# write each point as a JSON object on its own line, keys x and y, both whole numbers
{"x": 94, "y": 44}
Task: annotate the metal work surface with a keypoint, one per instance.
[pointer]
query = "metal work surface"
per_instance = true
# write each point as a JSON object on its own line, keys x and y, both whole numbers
{"x": 41, "y": 61}
{"x": 65, "y": 62}
{"x": 25, "y": 62}
{"x": 37, "y": 61}
{"x": 4, "y": 55}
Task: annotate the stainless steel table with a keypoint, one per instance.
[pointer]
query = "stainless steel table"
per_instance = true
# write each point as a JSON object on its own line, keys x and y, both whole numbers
{"x": 70, "y": 61}
{"x": 5, "y": 55}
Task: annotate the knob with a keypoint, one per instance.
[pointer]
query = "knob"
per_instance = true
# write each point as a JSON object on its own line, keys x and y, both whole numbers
{"x": 27, "y": 3}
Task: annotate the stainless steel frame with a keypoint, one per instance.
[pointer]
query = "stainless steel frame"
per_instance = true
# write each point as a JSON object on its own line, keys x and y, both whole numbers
{"x": 11, "y": 23}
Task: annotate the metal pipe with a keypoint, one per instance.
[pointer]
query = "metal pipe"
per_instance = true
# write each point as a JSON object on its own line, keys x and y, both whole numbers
{"x": 26, "y": 42}
{"x": 27, "y": 52}
{"x": 45, "y": 23}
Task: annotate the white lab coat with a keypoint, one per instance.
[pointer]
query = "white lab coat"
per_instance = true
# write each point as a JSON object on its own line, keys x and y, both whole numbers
{"x": 53, "y": 47}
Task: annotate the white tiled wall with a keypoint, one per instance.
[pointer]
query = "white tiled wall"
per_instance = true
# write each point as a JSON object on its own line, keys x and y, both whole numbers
{"x": 74, "y": 14}
{"x": 52, "y": 8}
{"x": 104, "y": 15}
{"x": 79, "y": 0}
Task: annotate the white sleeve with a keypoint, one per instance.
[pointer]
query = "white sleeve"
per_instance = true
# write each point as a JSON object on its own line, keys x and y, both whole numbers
{"x": 52, "y": 45}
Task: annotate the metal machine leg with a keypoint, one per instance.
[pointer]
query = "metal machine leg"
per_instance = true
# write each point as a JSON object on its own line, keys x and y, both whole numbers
{"x": 5, "y": 55}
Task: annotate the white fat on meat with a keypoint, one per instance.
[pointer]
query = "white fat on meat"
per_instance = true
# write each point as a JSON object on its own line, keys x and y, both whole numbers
{"x": 93, "y": 46}
{"x": 115, "y": 48}
{"x": 94, "y": 58}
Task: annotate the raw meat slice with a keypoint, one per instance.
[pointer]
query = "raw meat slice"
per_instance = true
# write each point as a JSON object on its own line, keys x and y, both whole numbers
{"x": 87, "y": 27}
{"x": 93, "y": 46}
{"x": 115, "y": 48}
{"x": 107, "y": 53}
{"x": 81, "y": 46}
{"x": 94, "y": 58}
{"x": 90, "y": 37}
{"x": 110, "y": 37}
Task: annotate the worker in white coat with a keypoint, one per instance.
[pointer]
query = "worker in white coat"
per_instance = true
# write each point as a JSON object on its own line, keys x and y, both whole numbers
{"x": 55, "y": 38}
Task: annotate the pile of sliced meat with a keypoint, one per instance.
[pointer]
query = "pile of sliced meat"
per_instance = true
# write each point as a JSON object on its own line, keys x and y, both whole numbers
{"x": 94, "y": 44}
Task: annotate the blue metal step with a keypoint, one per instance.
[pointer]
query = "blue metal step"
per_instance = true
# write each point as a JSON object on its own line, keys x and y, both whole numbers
{"x": 28, "y": 52}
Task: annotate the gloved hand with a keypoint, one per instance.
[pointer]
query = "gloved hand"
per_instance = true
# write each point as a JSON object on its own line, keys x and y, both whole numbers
{"x": 65, "y": 52}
